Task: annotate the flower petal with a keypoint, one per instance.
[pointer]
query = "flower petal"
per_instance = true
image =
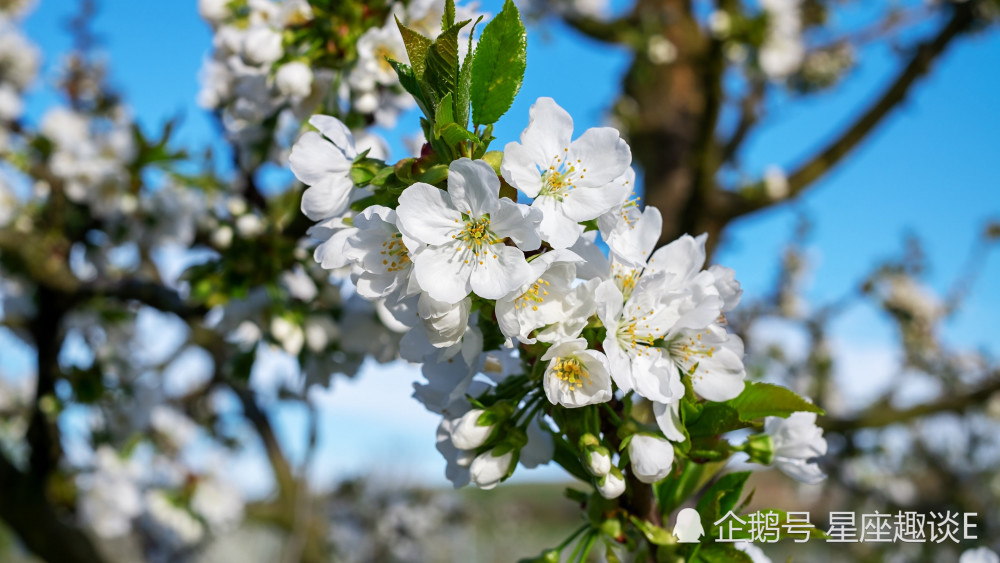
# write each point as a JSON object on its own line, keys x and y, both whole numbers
{"x": 519, "y": 222}
{"x": 474, "y": 184}
{"x": 328, "y": 198}
{"x": 602, "y": 153}
{"x": 426, "y": 215}
{"x": 494, "y": 278}
{"x": 335, "y": 130}
{"x": 443, "y": 272}
{"x": 313, "y": 158}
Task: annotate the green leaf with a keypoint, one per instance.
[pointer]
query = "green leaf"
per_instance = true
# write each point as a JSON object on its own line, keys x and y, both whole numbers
{"x": 721, "y": 497}
{"x": 653, "y": 533}
{"x": 498, "y": 65}
{"x": 445, "y": 115}
{"x": 453, "y": 134}
{"x": 463, "y": 90}
{"x": 409, "y": 81}
{"x": 567, "y": 458}
{"x": 435, "y": 174}
{"x": 441, "y": 71}
{"x": 675, "y": 490}
{"x": 715, "y": 418}
{"x": 417, "y": 47}
{"x": 764, "y": 399}
{"x": 448, "y": 18}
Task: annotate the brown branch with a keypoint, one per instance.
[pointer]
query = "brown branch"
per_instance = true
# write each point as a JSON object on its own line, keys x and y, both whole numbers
{"x": 617, "y": 31}
{"x": 43, "y": 430}
{"x": 881, "y": 415}
{"x": 24, "y": 508}
{"x": 283, "y": 476}
{"x": 749, "y": 115}
{"x": 818, "y": 166}
{"x": 149, "y": 293}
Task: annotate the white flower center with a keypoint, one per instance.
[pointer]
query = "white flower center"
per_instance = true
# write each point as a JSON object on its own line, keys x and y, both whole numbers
{"x": 625, "y": 278}
{"x": 533, "y": 296}
{"x": 560, "y": 177}
{"x": 395, "y": 257}
{"x": 688, "y": 351}
{"x": 571, "y": 372}
{"x": 636, "y": 336}
{"x": 478, "y": 236}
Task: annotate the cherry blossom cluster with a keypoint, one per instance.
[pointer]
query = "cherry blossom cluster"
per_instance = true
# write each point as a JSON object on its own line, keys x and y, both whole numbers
{"x": 275, "y": 62}
{"x": 527, "y": 332}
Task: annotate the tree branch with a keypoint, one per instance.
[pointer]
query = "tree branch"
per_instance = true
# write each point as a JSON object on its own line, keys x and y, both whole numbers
{"x": 925, "y": 54}
{"x": 614, "y": 31}
{"x": 283, "y": 475}
{"x": 881, "y": 415}
{"x": 27, "y": 512}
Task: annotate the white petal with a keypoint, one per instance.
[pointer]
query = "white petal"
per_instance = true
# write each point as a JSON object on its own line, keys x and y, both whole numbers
{"x": 556, "y": 228}
{"x": 668, "y": 418}
{"x": 682, "y": 258}
{"x": 602, "y": 153}
{"x": 519, "y": 222}
{"x": 548, "y": 134}
{"x": 335, "y": 130}
{"x": 473, "y": 183}
{"x": 520, "y": 169}
{"x": 426, "y": 215}
{"x": 632, "y": 243}
{"x": 494, "y": 278}
{"x": 313, "y": 158}
{"x": 328, "y": 198}
{"x": 442, "y": 271}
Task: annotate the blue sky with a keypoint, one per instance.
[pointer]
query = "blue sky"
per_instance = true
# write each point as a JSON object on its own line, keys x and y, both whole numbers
{"x": 930, "y": 169}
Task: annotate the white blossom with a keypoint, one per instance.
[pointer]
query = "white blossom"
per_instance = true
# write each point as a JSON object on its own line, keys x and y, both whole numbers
{"x": 468, "y": 434}
{"x": 262, "y": 45}
{"x": 110, "y": 497}
{"x": 652, "y": 457}
{"x": 783, "y": 50}
{"x": 489, "y": 468}
{"x": 576, "y": 376}
{"x": 294, "y": 79}
{"x": 460, "y": 234}
{"x": 214, "y": 11}
{"x": 219, "y": 503}
{"x": 541, "y": 302}
{"x": 380, "y": 253}
{"x": 797, "y": 442}
{"x": 375, "y": 46}
{"x": 570, "y": 181}
{"x": 598, "y": 462}
{"x": 612, "y": 485}
{"x": 979, "y": 555}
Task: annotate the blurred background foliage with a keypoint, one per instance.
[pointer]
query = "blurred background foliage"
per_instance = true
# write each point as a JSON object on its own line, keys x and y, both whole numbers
{"x": 801, "y": 146}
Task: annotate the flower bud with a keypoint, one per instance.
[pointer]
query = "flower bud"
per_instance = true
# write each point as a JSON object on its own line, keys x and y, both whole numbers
{"x": 294, "y": 79}
{"x": 488, "y": 469}
{"x": 652, "y": 457}
{"x": 760, "y": 448}
{"x": 222, "y": 237}
{"x": 469, "y": 434}
{"x": 214, "y": 11}
{"x": 262, "y": 45}
{"x": 249, "y": 225}
{"x": 611, "y": 485}
{"x": 598, "y": 461}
